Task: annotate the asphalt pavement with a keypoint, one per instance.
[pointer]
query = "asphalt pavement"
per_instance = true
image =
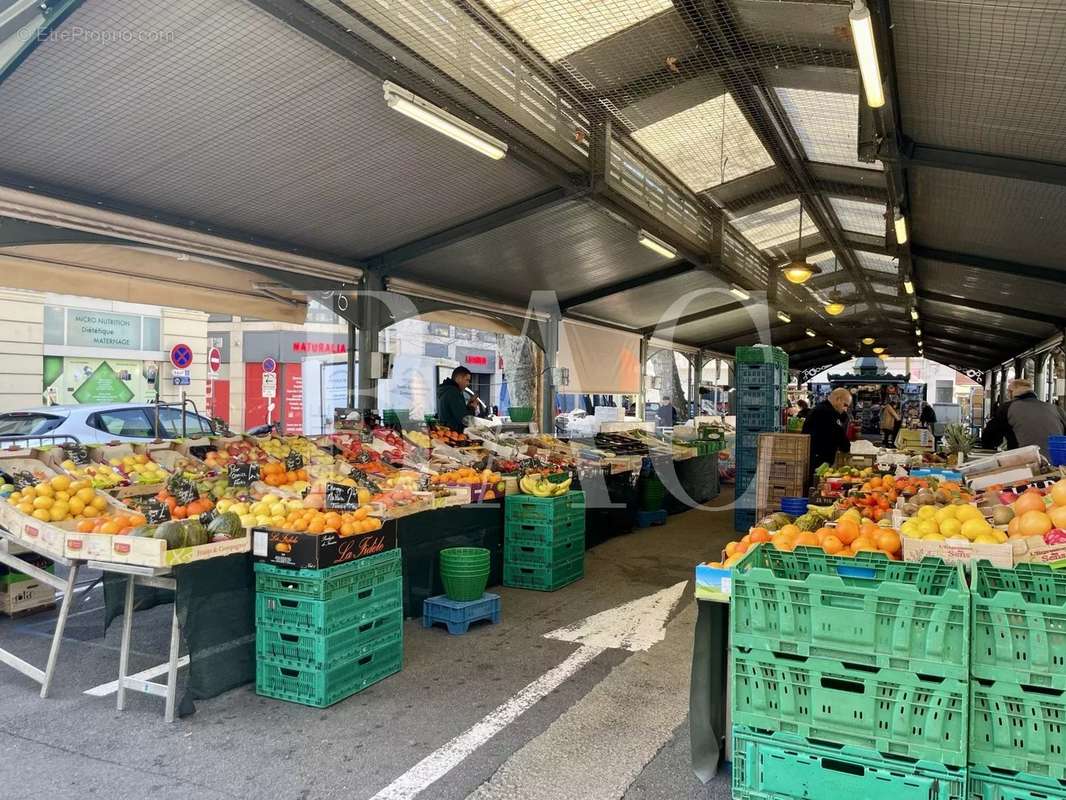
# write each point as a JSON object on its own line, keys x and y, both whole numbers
{"x": 616, "y": 728}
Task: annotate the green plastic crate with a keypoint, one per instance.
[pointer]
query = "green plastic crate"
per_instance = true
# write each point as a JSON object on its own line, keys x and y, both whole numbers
{"x": 899, "y": 615}
{"x": 312, "y": 686}
{"x": 543, "y": 532}
{"x": 1019, "y": 624}
{"x": 779, "y": 766}
{"x": 889, "y": 711}
{"x": 302, "y": 615}
{"x": 1017, "y": 727}
{"x": 562, "y": 551}
{"x": 762, "y": 355}
{"x": 544, "y": 579}
{"x": 543, "y": 510}
{"x": 329, "y": 583}
{"x": 990, "y": 784}
{"x": 12, "y": 577}
{"x": 300, "y": 650}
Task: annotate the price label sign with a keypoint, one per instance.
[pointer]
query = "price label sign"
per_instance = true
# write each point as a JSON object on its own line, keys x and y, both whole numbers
{"x": 208, "y": 516}
{"x": 184, "y": 492}
{"x": 425, "y": 483}
{"x": 242, "y": 474}
{"x": 156, "y": 511}
{"x": 342, "y": 498}
{"x": 78, "y": 453}
{"x": 363, "y": 457}
{"x": 293, "y": 461}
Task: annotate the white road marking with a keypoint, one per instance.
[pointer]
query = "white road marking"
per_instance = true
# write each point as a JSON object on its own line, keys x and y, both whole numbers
{"x": 634, "y": 626}
{"x": 632, "y": 633}
{"x": 104, "y": 689}
{"x": 604, "y": 741}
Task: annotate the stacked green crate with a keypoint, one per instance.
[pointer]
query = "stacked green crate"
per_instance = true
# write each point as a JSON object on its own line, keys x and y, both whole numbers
{"x": 761, "y": 387}
{"x": 324, "y": 634}
{"x": 544, "y": 541}
{"x": 865, "y": 656}
{"x": 1018, "y": 684}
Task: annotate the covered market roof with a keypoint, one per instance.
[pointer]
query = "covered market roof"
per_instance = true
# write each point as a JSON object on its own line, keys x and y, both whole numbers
{"x": 255, "y": 134}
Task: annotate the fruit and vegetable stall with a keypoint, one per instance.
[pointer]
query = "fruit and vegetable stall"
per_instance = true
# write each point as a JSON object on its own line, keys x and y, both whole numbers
{"x": 289, "y": 521}
{"x": 904, "y": 632}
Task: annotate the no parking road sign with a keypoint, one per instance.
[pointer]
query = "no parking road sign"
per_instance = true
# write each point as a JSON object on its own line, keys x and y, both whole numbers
{"x": 181, "y": 356}
{"x": 270, "y": 365}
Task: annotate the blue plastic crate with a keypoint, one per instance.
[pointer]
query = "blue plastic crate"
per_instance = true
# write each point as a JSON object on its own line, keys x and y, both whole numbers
{"x": 645, "y": 519}
{"x": 457, "y": 616}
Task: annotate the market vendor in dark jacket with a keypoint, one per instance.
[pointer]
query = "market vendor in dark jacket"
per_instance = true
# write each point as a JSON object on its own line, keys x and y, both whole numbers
{"x": 452, "y": 405}
{"x": 827, "y": 425}
{"x": 1025, "y": 420}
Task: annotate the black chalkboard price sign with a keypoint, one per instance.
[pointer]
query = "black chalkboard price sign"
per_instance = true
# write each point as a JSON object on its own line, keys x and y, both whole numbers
{"x": 293, "y": 461}
{"x": 156, "y": 511}
{"x": 76, "y": 452}
{"x": 342, "y": 498}
{"x": 425, "y": 482}
{"x": 242, "y": 474}
{"x": 184, "y": 491}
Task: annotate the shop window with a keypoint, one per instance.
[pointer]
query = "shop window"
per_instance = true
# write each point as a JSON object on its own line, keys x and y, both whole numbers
{"x": 150, "y": 340}
{"x": 123, "y": 422}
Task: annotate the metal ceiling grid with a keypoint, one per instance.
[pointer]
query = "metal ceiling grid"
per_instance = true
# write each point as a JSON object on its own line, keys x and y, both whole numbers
{"x": 706, "y": 145}
{"x": 693, "y": 292}
{"x": 773, "y": 227}
{"x": 826, "y": 124}
{"x": 987, "y": 76}
{"x": 225, "y": 124}
{"x": 568, "y": 248}
{"x": 1003, "y": 218}
{"x": 859, "y": 216}
{"x": 721, "y": 327}
{"x": 1015, "y": 291}
{"x": 966, "y": 315}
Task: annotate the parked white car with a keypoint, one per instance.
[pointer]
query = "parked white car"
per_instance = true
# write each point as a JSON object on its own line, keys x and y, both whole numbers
{"x": 89, "y": 424}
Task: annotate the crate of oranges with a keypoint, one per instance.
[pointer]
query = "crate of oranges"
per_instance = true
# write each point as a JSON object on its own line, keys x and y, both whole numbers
{"x": 274, "y": 475}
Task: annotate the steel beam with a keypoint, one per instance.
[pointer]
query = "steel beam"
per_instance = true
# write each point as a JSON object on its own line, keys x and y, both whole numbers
{"x": 991, "y": 308}
{"x": 990, "y": 264}
{"x": 964, "y": 326}
{"x": 923, "y": 155}
{"x": 696, "y": 316}
{"x": 474, "y": 227}
{"x": 665, "y": 273}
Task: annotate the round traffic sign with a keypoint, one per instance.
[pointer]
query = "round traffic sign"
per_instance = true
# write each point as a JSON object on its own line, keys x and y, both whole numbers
{"x": 181, "y": 356}
{"x": 214, "y": 359}
{"x": 270, "y": 365}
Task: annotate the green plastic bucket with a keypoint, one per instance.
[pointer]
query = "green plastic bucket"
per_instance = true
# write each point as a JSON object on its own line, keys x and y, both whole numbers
{"x": 520, "y": 413}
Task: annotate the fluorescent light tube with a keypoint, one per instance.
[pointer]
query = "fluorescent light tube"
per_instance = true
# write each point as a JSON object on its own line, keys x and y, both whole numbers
{"x": 810, "y": 333}
{"x": 656, "y": 245}
{"x": 862, "y": 32}
{"x": 901, "y": 228}
{"x": 781, "y": 315}
{"x": 413, "y": 106}
{"x": 738, "y": 292}
{"x": 908, "y": 286}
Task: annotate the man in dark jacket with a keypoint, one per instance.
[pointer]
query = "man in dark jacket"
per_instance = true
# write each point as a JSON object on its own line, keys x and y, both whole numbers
{"x": 452, "y": 405}
{"x": 1024, "y": 421}
{"x": 828, "y": 428}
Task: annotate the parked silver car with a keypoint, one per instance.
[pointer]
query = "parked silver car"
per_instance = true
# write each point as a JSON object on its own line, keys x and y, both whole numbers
{"x": 124, "y": 422}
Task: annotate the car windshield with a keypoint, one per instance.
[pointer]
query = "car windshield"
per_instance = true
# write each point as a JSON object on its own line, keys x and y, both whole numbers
{"x": 28, "y": 424}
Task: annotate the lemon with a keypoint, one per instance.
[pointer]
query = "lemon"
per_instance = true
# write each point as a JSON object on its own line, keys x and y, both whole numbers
{"x": 968, "y": 512}
{"x": 951, "y": 527}
{"x": 986, "y": 538}
{"x": 86, "y": 495}
{"x": 76, "y": 506}
{"x": 43, "y": 515}
{"x": 1000, "y": 536}
{"x": 972, "y": 528}
{"x": 43, "y": 502}
{"x": 26, "y": 507}
{"x": 928, "y": 526}
{"x": 99, "y": 503}
{"x": 59, "y": 513}
{"x": 926, "y": 512}
{"x": 932, "y": 537}
{"x": 60, "y": 483}
{"x": 947, "y": 512}
{"x": 45, "y": 490}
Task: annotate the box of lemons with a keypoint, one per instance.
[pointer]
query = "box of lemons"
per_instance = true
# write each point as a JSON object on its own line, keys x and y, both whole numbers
{"x": 59, "y": 499}
{"x": 100, "y": 476}
{"x": 140, "y": 469}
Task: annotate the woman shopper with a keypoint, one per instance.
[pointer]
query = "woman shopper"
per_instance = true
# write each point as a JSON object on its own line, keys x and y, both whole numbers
{"x": 890, "y": 419}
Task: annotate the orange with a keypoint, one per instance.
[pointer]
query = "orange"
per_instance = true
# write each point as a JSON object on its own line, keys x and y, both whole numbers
{"x": 807, "y": 539}
{"x": 317, "y": 526}
{"x": 1034, "y": 523}
{"x": 786, "y": 543}
{"x": 790, "y": 530}
{"x": 889, "y": 541}
{"x": 863, "y": 543}
{"x": 832, "y": 545}
{"x": 763, "y": 535}
{"x": 85, "y": 526}
{"x": 847, "y": 531}
{"x": 731, "y": 548}
{"x": 1029, "y": 501}
{"x": 742, "y": 547}
{"x": 1057, "y": 514}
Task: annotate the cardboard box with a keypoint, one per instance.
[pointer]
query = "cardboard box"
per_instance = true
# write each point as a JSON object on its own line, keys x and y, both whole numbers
{"x": 713, "y": 583}
{"x": 154, "y": 553}
{"x": 43, "y": 537}
{"x": 318, "y": 551}
{"x": 88, "y": 546}
{"x": 19, "y": 598}
{"x": 999, "y": 555}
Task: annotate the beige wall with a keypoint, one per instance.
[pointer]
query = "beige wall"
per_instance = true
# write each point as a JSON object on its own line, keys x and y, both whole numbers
{"x": 21, "y": 349}
{"x": 188, "y": 327}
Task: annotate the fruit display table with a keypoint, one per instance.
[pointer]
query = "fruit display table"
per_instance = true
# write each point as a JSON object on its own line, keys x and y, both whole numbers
{"x": 708, "y": 699}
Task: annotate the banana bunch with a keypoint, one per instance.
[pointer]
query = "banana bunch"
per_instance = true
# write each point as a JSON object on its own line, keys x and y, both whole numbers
{"x": 539, "y": 486}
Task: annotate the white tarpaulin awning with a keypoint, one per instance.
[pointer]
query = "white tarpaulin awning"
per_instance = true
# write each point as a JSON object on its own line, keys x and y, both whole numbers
{"x": 601, "y": 360}
{"x": 144, "y": 275}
